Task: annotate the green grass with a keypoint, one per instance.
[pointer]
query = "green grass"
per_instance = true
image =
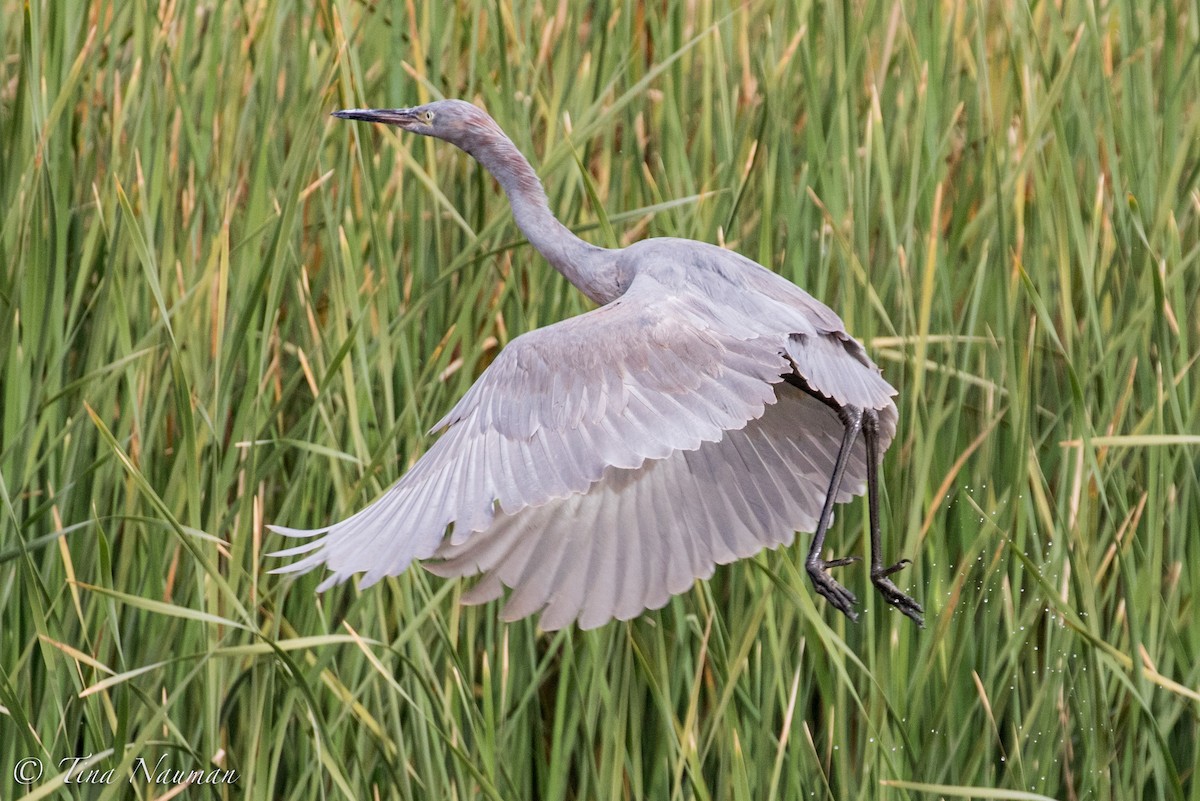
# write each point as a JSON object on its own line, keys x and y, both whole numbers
{"x": 219, "y": 308}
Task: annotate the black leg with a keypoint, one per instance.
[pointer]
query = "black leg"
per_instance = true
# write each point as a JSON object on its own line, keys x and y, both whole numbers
{"x": 818, "y": 569}
{"x": 879, "y": 574}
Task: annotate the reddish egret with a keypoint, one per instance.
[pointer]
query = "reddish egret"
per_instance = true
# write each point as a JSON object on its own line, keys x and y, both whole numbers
{"x": 708, "y": 409}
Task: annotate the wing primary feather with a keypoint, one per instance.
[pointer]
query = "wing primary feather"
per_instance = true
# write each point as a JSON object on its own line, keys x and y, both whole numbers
{"x": 525, "y": 544}
{"x": 607, "y": 561}
{"x": 774, "y": 493}
{"x": 531, "y": 589}
{"x": 301, "y": 533}
{"x": 574, "y": 577}
{"x": 646, "y": 566}
{"x": 295, "y": 550}
{"x": 487, "y": 588}
{"x": 713, "y": 542}
{"x": 677, "y": 551}
{"x": 748, "y": 474}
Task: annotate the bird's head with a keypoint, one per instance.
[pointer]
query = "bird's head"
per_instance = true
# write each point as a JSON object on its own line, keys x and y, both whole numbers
{"x": 456, "y": 121}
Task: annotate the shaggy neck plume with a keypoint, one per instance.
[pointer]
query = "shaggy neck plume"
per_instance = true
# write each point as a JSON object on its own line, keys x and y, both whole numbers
{"x": 590, "y": 268}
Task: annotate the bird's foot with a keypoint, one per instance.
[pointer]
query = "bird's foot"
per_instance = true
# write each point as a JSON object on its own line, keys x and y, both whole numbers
{"x": 892, "y": 594}
{"x": 842, "y": 599}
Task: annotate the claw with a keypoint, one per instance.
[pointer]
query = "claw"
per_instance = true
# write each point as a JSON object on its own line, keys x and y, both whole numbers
{"x": 887, "y": 571}
{"x": 841, "y": 598}
{"x": 892, "y": 594}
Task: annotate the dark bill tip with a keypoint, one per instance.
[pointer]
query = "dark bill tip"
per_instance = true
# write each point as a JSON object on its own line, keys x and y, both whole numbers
{"x": 388, "y": 116}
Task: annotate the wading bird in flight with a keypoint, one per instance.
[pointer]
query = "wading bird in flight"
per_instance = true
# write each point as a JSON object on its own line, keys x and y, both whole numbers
{"x": 709, "y": 408}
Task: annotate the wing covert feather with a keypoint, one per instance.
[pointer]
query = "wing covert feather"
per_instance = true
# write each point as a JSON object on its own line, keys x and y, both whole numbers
{"x": 640, "y": 378}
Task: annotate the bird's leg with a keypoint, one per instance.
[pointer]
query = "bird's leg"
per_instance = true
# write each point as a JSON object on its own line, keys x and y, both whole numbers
{"x": 879, "y": 574}
{"x": 818, "y": 568}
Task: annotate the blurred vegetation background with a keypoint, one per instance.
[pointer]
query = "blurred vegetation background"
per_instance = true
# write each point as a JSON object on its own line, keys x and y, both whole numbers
{"x": 219, "y": 308}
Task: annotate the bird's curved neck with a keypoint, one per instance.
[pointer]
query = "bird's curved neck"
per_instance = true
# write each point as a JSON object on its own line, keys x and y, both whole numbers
{"x": 590, "y": 268}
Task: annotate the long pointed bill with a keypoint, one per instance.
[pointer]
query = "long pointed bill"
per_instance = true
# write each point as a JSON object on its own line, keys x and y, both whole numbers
{"x": 389, "y": 116}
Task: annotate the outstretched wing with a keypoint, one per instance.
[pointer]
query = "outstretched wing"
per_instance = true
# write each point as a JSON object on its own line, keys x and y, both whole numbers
{"x": 641, "y": 535}
{"x": 645, "y": 376}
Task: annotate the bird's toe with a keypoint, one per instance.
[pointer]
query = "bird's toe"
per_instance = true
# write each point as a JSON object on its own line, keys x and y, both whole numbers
{"x": 887, "y": 571}
{"x": 892, "y": 594}
{"x": 841, "y": 598}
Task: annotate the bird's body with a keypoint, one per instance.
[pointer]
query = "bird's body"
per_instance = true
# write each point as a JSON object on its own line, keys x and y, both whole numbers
{"x": 600, "y": 465}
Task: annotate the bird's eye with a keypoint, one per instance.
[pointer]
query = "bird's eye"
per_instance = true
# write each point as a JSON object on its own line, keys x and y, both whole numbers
{"x": 427, "y": 117}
